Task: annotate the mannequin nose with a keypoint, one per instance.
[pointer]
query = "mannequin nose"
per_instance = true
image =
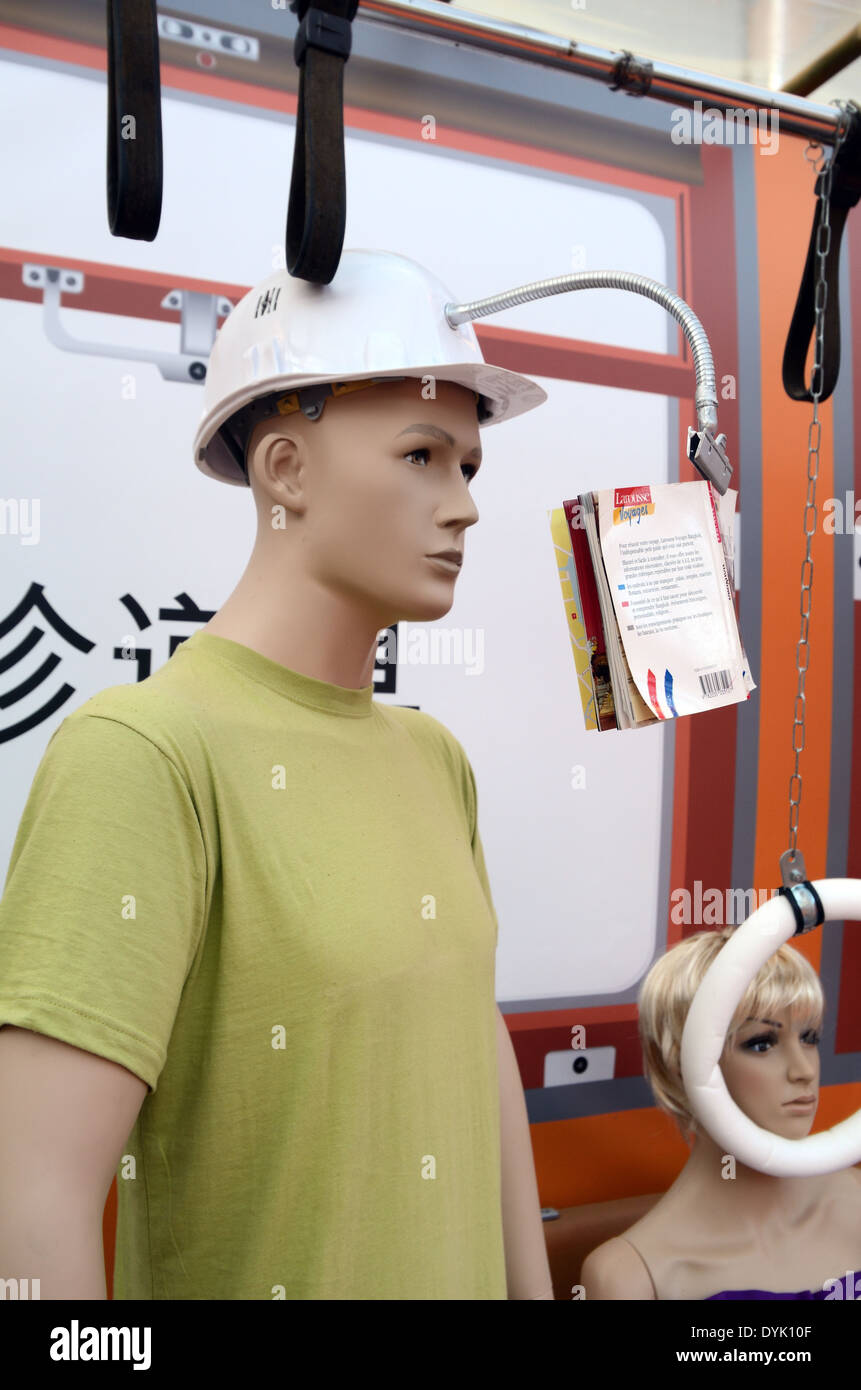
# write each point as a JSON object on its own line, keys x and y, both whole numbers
{"x": 458, "y": 505}
{"x": 802, "y": 1063}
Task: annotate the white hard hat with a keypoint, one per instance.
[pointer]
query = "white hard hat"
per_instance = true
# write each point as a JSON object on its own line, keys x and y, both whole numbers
{"x": 380, "y": 317}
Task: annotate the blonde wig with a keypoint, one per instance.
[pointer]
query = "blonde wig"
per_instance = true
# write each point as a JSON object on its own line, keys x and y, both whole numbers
{"x": 785, "y": 981}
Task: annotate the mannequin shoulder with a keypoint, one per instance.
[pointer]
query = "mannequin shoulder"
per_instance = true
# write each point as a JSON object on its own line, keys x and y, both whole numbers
{"x": 844, "y": 1187}
{"x": 418, "y": 719}
{"x": 614, "y": 1270}
{"x": 853, "y": 1184}
{"x": 429, "y": 730}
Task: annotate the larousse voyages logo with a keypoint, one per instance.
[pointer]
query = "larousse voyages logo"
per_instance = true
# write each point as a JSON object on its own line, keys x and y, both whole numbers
{"x": 631, "y": 503}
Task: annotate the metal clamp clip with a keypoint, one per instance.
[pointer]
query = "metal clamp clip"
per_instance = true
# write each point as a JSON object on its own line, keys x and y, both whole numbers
{"x": 709, "y": 457}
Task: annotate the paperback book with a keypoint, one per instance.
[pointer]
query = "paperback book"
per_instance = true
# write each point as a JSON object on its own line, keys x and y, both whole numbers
{"x": 647, "y": 583}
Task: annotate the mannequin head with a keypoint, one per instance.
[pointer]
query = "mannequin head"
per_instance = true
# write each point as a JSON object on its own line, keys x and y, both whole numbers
{"x": 356, "y": 501}
{"x": 770, "y": 1056}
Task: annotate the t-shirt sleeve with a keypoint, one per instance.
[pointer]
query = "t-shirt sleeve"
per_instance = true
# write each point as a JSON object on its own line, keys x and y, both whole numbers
{"x": 470, "y": 795}
{"x": 104, "y": 901}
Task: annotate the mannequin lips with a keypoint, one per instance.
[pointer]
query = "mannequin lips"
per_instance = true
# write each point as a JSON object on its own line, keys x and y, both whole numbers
{"x": 800, "y": 1103}
{"x": 446, "y": 560}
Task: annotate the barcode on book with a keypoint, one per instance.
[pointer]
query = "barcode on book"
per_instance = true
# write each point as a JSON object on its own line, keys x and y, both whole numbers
{"x": 716, "y": 682}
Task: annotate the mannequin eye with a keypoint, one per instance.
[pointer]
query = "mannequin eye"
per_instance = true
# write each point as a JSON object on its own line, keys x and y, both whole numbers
{"x": 469, "y": 468}
{"x": 812, "y": 1037}
{"x": 761, "y": 1043}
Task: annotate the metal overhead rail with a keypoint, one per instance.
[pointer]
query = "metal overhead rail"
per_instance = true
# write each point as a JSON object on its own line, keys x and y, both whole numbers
{"x": 620, "y": 70}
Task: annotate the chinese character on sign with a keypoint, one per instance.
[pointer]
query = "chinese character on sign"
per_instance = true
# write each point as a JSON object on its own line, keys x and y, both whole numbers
{"x": 54, "y": 691}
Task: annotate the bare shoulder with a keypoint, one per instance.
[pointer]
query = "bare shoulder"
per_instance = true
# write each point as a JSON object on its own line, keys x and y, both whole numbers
{"x": 852, "y": 1179}
{"x": 614, "y": 1270}
{"x": 844, "y": 1186}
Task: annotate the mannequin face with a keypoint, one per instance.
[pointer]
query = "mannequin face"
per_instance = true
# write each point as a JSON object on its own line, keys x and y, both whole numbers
{"x": 370, "y": 490}
{"x": 769, "y": 1063}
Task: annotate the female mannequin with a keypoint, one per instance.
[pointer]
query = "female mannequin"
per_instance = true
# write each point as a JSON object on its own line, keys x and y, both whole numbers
{"x": 724, "y": 1230}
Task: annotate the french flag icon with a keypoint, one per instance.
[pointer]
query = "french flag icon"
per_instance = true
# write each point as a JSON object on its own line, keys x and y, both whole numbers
{"x": 668, "y": 695}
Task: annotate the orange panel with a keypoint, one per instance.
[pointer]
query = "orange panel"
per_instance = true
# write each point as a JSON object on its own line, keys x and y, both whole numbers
{"x": 601, "y": 1157}
{"x": 785, "y": 207}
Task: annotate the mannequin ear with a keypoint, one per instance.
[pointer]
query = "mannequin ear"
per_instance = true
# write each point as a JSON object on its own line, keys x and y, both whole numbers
{"x": 276, "y": 466}
{"x": 260, "y": 436}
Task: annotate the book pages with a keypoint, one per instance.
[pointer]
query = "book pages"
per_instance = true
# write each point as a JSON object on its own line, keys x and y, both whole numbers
{"x": 669, "y": 576}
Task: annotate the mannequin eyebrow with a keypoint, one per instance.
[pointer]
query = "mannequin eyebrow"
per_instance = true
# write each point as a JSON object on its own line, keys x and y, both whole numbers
{"x": 769, "y": 1021}
{"x": 437, "y": 433}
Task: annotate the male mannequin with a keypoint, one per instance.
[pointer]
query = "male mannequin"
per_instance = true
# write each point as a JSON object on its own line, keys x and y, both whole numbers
{"x": 347, "y": 518}
{"x": 345, "y": 526}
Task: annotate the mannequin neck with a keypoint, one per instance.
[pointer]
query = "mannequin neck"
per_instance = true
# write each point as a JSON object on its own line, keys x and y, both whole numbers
{"x": 758, "y": 1198}
{"x": 280, "y": 613}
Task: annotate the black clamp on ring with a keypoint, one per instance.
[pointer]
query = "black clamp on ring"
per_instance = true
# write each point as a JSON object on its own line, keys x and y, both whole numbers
{"x": 806, "y": 906}
{"x": 328, "y": 32}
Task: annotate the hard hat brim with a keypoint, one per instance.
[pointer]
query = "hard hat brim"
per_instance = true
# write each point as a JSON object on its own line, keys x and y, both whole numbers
{"x": 509, "y": 393}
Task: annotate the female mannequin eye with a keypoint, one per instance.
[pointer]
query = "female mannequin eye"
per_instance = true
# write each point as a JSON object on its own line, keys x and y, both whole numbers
{"x": 761, "y": 1043}
{"x": 414, "y": 452}
{"x": 812, "y": 1037}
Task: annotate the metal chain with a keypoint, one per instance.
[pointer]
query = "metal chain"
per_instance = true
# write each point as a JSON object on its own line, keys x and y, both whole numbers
{"x": 794, "y": 863}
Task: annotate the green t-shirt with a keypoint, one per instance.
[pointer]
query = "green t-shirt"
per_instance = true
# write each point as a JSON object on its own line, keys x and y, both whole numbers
{"x": 266, "y": 896}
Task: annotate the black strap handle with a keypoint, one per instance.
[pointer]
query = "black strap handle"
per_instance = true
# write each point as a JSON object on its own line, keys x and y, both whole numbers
{"x": 317, "y": 211}
{"x": 134, "y": 120}
{"x": 845, "y": 193}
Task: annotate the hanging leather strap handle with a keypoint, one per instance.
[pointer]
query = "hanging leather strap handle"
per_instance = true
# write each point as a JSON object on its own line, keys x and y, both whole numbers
{"x": 845, "y": 193}
{"x": 134, "y": 120}
{"x": 317, "y": 211}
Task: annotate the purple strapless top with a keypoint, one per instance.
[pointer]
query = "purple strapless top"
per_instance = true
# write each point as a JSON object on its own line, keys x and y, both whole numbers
{"x": 831, "y": 1292}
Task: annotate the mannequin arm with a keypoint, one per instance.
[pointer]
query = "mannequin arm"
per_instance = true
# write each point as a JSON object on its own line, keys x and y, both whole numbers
{"x": 527, "y": 1268}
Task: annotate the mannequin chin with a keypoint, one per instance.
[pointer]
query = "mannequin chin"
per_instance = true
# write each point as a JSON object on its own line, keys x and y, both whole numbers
{"x": 349, "y": 508}
{"x": 723, "y": 1228}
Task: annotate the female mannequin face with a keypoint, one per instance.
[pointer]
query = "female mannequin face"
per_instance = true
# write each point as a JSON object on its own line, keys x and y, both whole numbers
{"x": 372, "y": 489}
{"x": 771, "y": 1063}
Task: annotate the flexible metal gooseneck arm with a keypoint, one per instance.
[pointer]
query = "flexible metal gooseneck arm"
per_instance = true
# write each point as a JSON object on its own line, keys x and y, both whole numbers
{"x": 706, "y": 449}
